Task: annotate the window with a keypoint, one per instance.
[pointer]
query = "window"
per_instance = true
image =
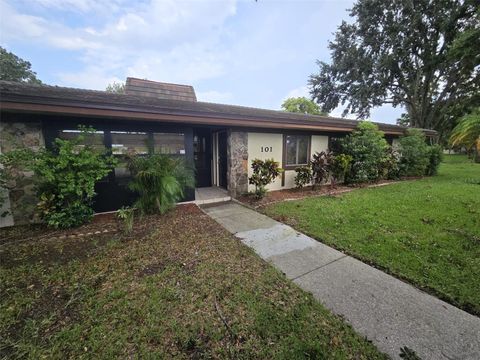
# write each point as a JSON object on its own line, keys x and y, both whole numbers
{"x": 129, "y": 143}
{"x": 297, "y": 150}
{"x": 125, "y": 144}
{"x": 94, "y": 140}
{"x": 169, "y": 143}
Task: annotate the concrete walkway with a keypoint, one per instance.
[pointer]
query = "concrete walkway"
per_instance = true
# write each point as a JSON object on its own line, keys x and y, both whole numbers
{"x": 389, "y": 312}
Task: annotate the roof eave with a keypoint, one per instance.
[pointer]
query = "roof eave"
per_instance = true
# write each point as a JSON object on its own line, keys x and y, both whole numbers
{"x": 173, "y": 116}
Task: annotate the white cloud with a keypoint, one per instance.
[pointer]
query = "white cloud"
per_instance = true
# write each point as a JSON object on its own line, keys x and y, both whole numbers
{"x": 162, "y": 40}
{"x": 90, "y": 78}
{"x": 338, "y": 112}
{"x": 302, "y": 91}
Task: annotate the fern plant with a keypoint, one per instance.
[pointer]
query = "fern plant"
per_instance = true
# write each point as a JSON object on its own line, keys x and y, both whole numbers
{"x": 159, "y": 181}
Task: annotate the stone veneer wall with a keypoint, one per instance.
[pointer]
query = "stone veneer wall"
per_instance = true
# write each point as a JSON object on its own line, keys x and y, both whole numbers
{"x": 237, "y": 153}
{"x": 14, "y": 135}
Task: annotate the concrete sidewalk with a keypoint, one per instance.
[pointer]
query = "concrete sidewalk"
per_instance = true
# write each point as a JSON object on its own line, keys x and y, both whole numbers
{"x": 389, "y": 312}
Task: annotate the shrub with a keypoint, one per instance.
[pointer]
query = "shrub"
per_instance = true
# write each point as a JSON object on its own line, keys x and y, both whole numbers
{"x": 264, "y": 172}
{"x": 320, "y": 167}
{"x": 65, "y": 180}
{"x": 389, "y": 167}
{"x": 414, "y": 157}
{"x": 435, "y": 156}
{"x": 367, "y": 146}
{"x": 339, "y": 166}
{"x": 160, "y": 181}
{"x": 303, "y": 176}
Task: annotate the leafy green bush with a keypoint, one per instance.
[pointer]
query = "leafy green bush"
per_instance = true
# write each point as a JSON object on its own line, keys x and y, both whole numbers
{"x": 414, "y": 153}
{"x": 339, "y": 166}
{"x": 367, "y": 147}
{"x": 389, "y": 167}
{"x": 303, "y": 176}
{"x": 160, "y": 181}
{"x": 264, "y": 172}
{"x": 435, "y": 156}
{"x": 320, "y": 167}
{"x": 65, "y": 180}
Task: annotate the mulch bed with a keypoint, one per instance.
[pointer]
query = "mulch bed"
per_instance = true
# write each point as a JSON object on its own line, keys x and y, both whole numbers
{"x": 104, "y": 223}
{"x": 295, "y": 194}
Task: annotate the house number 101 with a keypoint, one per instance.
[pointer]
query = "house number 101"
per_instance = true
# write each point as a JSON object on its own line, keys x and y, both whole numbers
{"x": 266, "y": 149}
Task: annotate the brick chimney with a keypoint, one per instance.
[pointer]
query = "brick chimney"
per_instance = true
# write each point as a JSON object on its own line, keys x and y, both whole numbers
{"x": 159, "y": 90}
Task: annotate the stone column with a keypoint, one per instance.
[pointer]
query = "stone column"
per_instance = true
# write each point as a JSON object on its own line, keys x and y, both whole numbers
{"x": 22, "y": 198}
{"x": 237, "y": 156}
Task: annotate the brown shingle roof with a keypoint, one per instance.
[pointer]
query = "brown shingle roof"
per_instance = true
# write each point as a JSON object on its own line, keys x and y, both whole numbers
{"x": 11, "y": 92}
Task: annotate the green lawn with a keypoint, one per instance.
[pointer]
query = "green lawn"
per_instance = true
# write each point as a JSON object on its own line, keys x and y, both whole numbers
{"x": 425, "y": 231}
{"x": 179, "y": 287}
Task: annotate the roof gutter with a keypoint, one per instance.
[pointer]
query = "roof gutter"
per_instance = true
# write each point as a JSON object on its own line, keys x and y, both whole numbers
{"x": 174, "y": 117}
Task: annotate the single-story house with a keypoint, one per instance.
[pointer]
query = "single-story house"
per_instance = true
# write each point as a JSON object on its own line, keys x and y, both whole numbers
{"x": 219, "y": 140}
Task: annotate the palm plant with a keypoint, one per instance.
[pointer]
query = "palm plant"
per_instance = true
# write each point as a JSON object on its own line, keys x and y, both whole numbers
{"x": 160, "y": 182}
{"x": 467, "y": 133}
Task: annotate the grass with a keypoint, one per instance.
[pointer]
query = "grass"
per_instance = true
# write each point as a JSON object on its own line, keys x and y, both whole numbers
{"x": 425, "y": 231}
{"x": 178, "y": 287}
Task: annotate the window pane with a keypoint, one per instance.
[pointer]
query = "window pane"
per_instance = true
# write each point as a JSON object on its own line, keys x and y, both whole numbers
{"x": 129, "y": 143}
{"x": 95, "y": 140}
{"x": 302, "y": 150}
{"x": 125, "y": 144}
{"x": 297, "y": 149}
{"x": 291, "y": 149}
{"x": 165, "y": 143}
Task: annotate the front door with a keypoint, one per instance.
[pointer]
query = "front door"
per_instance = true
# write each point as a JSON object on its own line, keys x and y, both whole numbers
{"x": 202, "y": 156}
{"x": 222, "y": 159}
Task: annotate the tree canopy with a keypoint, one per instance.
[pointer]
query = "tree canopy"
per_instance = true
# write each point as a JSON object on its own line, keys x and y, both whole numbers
{"x": 117, "y": 88}
{"x": 302, "y": 105}
{"x": 13, "y": 68}
{"x": 423, "y": 55}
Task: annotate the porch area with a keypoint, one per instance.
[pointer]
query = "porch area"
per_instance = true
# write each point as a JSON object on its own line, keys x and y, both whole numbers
{"x": 210, "y": 195}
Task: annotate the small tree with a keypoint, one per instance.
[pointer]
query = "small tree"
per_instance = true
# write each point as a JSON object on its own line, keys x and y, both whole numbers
{"x": 414, "y": 156}
{"x": 302, "y": 105}
{"x": 367, "y": 147}
{"x": 320, "y": 167}
{"x": 116, "y": 88}
{"x": 435, "y": 156}
{"x": 303, "y": 176}
{"x": 264, "y": 173}
{"x": 160, "y": 182}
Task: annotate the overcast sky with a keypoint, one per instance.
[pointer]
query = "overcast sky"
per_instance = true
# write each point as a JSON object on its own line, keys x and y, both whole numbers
{"x": 235, "y": 52}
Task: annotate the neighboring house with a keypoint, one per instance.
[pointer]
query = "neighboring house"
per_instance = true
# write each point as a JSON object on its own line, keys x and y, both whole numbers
{"x": 219, "y": 140}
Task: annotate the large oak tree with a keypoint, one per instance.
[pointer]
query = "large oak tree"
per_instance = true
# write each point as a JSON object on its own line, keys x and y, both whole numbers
{"x": 423, "y": 55}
